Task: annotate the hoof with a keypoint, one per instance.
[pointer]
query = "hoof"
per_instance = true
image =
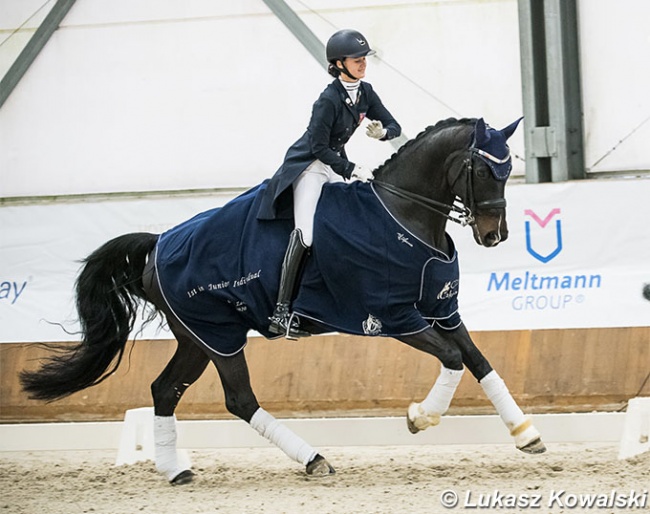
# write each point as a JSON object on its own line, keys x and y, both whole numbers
{"x": 184, "y": 477}
{"x": 320, "y": 467}
{"x": 416, "y": 420}
{"x": 528, "y": 438}
{"x": 412, "y": 428}
{"x": 534, "y": 447}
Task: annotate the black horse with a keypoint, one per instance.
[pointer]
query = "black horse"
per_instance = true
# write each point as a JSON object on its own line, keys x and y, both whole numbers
{"x": 212, "y": 289}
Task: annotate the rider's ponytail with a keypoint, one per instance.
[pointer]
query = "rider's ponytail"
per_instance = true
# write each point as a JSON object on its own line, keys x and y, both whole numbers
{"x": 333, "y": 70}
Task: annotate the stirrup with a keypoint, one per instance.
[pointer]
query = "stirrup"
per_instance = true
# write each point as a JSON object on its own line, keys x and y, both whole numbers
{"x": 286, "y": 324}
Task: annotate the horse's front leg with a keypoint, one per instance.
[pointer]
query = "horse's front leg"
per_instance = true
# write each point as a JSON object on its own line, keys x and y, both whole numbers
{"x": 526, "y": 436}
{"x": 241, "y": 401}
{"x": 421, "y": 416}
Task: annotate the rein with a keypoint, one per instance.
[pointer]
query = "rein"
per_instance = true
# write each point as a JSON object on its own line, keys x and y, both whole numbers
{"x": 465, "y": 216}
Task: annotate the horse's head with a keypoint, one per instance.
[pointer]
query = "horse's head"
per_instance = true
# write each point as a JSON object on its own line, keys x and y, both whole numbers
{"x": 482, "y": 187}
{"x": 455, "y": 160}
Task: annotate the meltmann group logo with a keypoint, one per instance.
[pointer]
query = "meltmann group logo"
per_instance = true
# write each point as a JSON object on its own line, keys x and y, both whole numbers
{"x": 534, "y": 288}
{"x": 542, "y": 223}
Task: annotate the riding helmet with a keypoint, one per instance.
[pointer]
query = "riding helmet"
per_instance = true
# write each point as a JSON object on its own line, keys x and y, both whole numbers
{"x": 347, "y": 43}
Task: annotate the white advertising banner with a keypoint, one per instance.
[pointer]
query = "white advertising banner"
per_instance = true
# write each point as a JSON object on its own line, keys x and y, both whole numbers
{"x": 578, "y": 255}
{"x": 42, "y": 246}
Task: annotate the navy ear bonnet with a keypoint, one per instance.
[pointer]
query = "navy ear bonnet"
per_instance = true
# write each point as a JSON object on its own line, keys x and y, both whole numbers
{"x": 491, "y": 147}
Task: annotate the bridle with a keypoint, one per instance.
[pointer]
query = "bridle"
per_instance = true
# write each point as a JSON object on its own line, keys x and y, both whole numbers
{"x": 464, "y": 210}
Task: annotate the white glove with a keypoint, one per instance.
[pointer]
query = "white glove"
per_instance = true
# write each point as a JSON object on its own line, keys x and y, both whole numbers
{"x": 375, "y": 130}
{"x": 362, "y": 174}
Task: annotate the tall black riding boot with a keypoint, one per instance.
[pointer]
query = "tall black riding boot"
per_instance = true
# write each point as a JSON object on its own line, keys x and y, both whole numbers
{"x": 282, "y": 321}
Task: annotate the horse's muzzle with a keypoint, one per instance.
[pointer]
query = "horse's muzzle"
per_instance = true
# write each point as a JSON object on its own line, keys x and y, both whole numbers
{"x": 494, "y": 237}
{"x": 490, "y": 230}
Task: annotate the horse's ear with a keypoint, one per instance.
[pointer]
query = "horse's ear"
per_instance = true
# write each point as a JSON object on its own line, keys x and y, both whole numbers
{"x": 510, "y": 129}
{"x": 480, "y": 133}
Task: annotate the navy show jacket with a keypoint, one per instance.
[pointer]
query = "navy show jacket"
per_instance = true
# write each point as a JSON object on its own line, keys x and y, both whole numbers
{"x": 333, "y": 121}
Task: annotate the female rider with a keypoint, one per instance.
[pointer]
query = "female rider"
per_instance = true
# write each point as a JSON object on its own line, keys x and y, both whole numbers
{"x": 319, "y": 157}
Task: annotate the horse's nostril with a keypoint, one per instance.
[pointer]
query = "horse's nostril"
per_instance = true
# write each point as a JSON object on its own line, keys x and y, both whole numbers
{"x": 492, "y": 238}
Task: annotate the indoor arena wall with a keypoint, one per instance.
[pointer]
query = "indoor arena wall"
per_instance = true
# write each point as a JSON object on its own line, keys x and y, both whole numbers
{"x": 578, "y": 370}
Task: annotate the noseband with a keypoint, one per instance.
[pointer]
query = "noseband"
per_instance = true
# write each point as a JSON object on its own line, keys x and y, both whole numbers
{"x": 464, "y": 213}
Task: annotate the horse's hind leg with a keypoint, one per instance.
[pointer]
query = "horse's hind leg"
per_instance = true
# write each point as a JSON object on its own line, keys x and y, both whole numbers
{"x": 241, "y": 401}
{"x": 185, "y": 367}
{"x": 527, "y": 438}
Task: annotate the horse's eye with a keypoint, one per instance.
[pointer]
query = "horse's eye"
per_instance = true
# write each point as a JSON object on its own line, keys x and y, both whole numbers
{"x": 481, "y": 172}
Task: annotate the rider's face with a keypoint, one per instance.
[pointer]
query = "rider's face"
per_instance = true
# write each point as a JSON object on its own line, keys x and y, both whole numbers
{"x": 356, "y": 66}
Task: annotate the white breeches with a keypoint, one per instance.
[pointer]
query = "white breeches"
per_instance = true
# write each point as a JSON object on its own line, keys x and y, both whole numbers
{"x": 306, "y": 192}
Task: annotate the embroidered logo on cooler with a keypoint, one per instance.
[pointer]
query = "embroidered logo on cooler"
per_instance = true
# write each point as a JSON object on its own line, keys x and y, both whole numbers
{"x": 241, "y": 306}
{"x": 372, "y": 326}
{"x": 449, "y": 290}
{"x": 403, "y": 239}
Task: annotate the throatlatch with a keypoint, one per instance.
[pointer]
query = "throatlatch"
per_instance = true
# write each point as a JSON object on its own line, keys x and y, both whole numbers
{"x": 283, "y": 322}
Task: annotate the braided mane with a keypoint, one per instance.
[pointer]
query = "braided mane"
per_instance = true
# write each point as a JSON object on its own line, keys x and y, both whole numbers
{"x": 430, "y": 130}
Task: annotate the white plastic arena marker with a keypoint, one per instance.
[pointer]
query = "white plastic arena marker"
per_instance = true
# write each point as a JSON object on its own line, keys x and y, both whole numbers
{"x": 636, "y": 428}
{"x": 136, "y": 440}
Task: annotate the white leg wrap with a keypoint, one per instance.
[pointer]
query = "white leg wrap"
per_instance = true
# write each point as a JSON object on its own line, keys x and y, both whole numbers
{"x": 519, "y": 426}
{"x": 427, "y": 414}
{"x": 164, "y": 435}
{"x": 442, "y": 392}
{"x": 270, "y": 428}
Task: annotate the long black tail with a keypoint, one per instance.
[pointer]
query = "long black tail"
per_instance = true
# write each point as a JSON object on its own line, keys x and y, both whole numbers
{"x": 107, "y": 293}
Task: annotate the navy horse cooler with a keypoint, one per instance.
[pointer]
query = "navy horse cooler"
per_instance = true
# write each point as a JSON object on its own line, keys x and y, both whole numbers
{"x": 366, "y": 274}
